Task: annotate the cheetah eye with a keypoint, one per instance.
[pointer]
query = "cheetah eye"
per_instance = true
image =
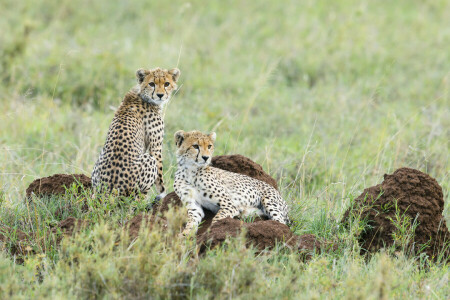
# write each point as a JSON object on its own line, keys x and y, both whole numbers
{"x": 195, "y": 147}
{"x": 209, "y": 146}
{"x": 152, "y": 84}
{"x": 166, "y": 84}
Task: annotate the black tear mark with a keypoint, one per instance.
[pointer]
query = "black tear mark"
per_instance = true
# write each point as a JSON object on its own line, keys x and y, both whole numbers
{"x": 198, "y": 153}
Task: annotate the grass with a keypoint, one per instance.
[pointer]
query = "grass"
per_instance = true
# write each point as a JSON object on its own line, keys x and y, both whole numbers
{"x": 327, "y": 96}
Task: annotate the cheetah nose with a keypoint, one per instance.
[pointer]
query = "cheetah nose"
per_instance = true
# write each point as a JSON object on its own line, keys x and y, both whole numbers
{"x": 205, "y": 158}
{"x": 160, "y": 95}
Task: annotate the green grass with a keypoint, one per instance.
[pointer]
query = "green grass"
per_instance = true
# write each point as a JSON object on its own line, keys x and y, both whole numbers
{"x": 327, "y": 96}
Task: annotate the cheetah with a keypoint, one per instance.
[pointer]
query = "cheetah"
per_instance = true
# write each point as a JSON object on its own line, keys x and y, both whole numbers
{"x": 131, "y": 159}
{"x": 228, "y": 194}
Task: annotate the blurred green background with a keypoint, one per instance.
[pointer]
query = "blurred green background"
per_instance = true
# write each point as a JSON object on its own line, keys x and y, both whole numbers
{"x": 326, "y": 95}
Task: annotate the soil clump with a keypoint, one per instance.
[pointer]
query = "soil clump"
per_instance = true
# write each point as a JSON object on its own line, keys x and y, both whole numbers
{"x": 262, "y": 234}
{"x": 57, "y": 184}
{"x": 405, "y": 197}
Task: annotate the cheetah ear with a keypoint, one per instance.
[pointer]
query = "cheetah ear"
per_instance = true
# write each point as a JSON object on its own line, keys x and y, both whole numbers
{"x": 175, "y": 74}
{"x": 212, "y": 135}
{"x": 140, "y": 75}
{"x": 179, "y": 137}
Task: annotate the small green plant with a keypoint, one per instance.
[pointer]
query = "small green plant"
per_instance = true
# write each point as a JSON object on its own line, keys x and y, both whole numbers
{"x": 250, "y": 218}
{"x": 2, "y": 197}
{"x": 386, "y": 207}
{"x": 405, "y": 228}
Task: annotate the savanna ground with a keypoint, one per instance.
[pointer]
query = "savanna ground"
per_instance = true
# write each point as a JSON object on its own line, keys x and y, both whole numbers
{"x": 326, "y": 95}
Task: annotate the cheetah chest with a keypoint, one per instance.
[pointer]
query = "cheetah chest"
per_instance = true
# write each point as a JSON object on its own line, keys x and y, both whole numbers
{"x": 153, "y": 129}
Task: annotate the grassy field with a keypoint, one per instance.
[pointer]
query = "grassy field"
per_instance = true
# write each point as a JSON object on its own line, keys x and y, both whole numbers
{"x": 326, "y": 95}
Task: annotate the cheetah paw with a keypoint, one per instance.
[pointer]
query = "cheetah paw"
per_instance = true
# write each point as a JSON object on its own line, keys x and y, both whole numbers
{"x": 187, "y": 232}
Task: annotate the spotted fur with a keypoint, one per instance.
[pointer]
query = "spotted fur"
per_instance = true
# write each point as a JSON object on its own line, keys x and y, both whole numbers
{"x": 131, "y": 159}
{"x": 229, "y": 194}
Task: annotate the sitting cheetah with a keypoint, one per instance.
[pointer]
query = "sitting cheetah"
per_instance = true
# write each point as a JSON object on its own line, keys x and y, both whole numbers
{"x": 229, "y": 194}
{"x": 131, "y": 159}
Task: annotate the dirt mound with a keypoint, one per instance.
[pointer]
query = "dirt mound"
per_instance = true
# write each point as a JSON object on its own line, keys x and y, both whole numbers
{"x": 55, "y": 184}
{"x": 134, "y": 225}
{"x": 233, "y": 163}
{"x": 171, "y": 199}
{"x": 308, "y": 242}
{"x": 219, "y": 232}
{"x": 261, "y": 234}
{"x": 265, "y": 234}
{"x": 240, "y": 164}
{"x": 70, "y": 225}
{"x": 14, "y": 239}
{"x": 418, "y": 196}
{"x": 20, "y": 243}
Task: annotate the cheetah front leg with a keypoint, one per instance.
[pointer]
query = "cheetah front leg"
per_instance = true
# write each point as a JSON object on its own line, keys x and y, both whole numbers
{"x": 157, "y": 154}
{"x": 189, "y": 196}
{"x": 195, "y": 216}
{"x": 147, "y": 172}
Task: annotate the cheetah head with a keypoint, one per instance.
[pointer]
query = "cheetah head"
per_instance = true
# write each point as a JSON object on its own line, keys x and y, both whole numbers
{"x": 156, "y": 86}
{"x": 194, "y": 148}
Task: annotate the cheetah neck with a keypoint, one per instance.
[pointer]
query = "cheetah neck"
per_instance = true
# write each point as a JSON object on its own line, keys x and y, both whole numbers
{"x": 133, "y": 102}
{"x": 187, "y": 172}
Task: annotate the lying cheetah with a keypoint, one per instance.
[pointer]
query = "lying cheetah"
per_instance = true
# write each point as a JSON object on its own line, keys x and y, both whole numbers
{"x": 131, "y": 159}
{"x": 229, "y": 194}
